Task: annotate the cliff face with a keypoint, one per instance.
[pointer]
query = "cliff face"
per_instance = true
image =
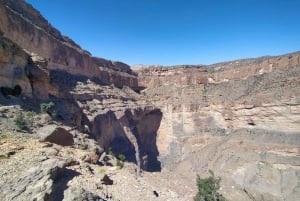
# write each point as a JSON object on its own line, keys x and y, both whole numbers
{"x": 92, "y": 94}
{"x": 240, "y": 119}
{"x": 22, "y": 73}
{"x": 27, "y": 28}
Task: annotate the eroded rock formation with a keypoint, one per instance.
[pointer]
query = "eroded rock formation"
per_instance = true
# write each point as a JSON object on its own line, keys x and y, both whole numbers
{"x": 43, "y": 64}
{"x": 26, "y": 27}
{"x": 21, "y": 73}
{"x": 240, "y": 119}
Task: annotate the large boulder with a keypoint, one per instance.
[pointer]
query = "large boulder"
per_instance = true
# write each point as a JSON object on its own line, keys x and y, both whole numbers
{"x": 56, "y": 134}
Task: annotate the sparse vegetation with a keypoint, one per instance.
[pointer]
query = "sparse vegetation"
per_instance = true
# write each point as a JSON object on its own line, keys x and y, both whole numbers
{"x": 5, "y": 135}
{"x": 24, "y": 120}
{"x": 48, "y": 108}
{"x": 102, "y": 170}
{"x": 30, "y": 115}
{"x": 208, "y": 189}
{"x": 4, "y": 157}
{"x": 21, "y": 122}
{"x": 119, "y": 166}
{"x": 121, "y": 157}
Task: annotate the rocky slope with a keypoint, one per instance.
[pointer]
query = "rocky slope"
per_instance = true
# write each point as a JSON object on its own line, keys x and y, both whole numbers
{"x": 240, "y": 119}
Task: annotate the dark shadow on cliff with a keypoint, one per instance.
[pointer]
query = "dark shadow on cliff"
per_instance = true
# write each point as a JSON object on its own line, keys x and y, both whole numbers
{"x": 61, "y": 184}
{"x": 144, "y": 126}
{"x": 133, "y": 135}
{"x": 110, "y": 134}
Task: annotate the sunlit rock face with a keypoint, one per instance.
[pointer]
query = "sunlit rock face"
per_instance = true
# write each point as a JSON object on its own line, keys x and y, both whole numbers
{"x": 240, "y": 119}
{"x": 28, "y": 29}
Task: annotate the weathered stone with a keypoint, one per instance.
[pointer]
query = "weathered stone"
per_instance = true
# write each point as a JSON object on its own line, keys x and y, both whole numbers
{"x": 36, "y": 185}
{"x": 91, "y": 157}
{"x": 80, "y": 194}
{"x": 56, "y": 134}
{"x": 60, "y": 51}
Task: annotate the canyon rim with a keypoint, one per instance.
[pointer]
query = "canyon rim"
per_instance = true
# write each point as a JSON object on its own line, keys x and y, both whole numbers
{"x": 240, "y": 119}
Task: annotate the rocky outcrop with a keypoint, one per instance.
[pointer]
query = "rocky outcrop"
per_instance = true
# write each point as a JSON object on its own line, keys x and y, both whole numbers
{"x": 21, "y": 73}
{"x": 237, "y": 118}
{"x": 193, "y": 75}
{"x": 78, "y": 85}
{"x": 121, "y": 122}
{"x": 27, "y": 28}
{"x": 36, "y": 185}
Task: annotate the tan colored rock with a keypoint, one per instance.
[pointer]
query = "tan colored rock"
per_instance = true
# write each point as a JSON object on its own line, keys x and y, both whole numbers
{"x": 26, "y": 27}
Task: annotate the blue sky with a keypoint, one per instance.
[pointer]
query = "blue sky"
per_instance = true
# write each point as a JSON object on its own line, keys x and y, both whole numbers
{"x": 171, "y": 32}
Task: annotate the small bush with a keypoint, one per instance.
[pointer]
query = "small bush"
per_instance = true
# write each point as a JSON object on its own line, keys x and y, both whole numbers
{"x": 207, "y": 189}
{"x": 30, "y": 115}
{"x": 121, "y": 157}
{"x": 21, "y": 122}
{"x": 48, "y": 108}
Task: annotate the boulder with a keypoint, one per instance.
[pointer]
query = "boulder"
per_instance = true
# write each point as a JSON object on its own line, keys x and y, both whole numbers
{"x": 106, "y": 180}
{"x": 56, "y": 135}
{"x": 37, "y": 184}
{"x": 80, "y": 194}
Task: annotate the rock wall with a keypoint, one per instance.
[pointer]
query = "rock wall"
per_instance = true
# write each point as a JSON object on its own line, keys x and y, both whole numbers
{"x": 241, "y": 119}
{"x": 121, "y": 122}
{"x": 21, "y": 73}
{"x": 237, "y": 118}
{"x": 27, "y": 28}
{"x": 151, "y": 77}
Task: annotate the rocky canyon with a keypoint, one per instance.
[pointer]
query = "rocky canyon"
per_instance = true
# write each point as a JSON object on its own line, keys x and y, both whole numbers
{"x": 111, "y": 131}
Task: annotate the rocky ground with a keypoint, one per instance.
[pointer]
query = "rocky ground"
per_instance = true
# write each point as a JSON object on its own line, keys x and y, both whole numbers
{"x": 31, "y": 168}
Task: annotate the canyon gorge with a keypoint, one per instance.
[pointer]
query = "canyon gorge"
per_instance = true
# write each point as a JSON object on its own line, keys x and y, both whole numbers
{"x": 240, "y": 119}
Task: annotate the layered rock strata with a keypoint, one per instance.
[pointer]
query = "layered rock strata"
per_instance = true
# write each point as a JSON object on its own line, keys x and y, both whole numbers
{"x": 240, "y": 119}
{"x": 27, "y": 28}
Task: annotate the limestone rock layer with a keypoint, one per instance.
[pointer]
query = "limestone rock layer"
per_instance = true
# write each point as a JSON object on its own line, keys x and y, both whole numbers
{"x": 240, "y": 119}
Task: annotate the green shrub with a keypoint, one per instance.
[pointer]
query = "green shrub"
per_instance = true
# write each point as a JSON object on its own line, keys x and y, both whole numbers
{"x": 208, "y": 189}
{"x": 48, "y": 108}
{"x": 21, "y": 122}
{"x": 29, "y": 115}
{"x": 121, "y": 157}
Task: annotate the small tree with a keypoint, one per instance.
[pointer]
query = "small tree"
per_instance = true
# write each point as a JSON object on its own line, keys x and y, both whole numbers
{"x": 208, "y": 189}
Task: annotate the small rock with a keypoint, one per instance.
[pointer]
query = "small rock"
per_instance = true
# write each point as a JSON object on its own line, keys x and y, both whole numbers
{"x": 106, "y": 180}
{"x": 71, "y": 162}
{"x": 51, "y": 151}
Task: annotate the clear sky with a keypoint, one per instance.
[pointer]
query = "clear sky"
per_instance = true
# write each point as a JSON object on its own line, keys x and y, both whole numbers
{"x": 170, "y": 32}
